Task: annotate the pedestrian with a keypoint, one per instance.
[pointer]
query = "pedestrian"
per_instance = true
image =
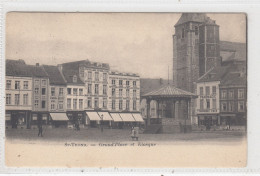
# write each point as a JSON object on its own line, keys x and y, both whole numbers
{"x": 40, "y": 125}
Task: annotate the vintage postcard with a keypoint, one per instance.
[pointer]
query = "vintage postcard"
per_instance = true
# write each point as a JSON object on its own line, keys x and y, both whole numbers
{"x": 126, "y": 90}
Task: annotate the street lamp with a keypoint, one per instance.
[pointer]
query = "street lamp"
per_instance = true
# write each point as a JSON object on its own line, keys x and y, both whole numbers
{"x": 101, "y": 123}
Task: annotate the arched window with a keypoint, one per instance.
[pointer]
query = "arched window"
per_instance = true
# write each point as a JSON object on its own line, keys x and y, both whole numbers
{"x": 196, "y": 30}
{"x": 182, "y": 33}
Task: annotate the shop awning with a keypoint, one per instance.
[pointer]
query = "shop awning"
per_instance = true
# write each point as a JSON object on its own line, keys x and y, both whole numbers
{"x": 7, "y": 116}
{"x": 93, "y": 116}
{"x": 127, "y": 117}
{"x": 138, "y": 117}
{"x": 59, "y": 116}
{"x": 116, "y": 117}
{"x": 106, "y": 116}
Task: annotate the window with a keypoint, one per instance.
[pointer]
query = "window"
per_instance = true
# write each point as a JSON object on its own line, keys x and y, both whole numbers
{"x": 69, "y": 91}
{"x": 120, "y": 104}
{"x": 214, "y": 103}
{"x": 127, "y": 92}
{"x": 43, "y": 91}
{"x": 208, "y": 103}
{"x": 36, "y": 82}
{"x": 231, "y": 94}
{"x": 127, "y": 104}
{"x": 224, "y": 94}
{"x": 104, "y": 103}
{"x": 113, "y": 82}
{"x": 25, "y": 99}
{"x": 60, "y": 91}
{"x": 89, "y": 75}
{"x": 17, "y": 85}
{"x": 120, "y": 82}
{"x": 240, "y": 93}
{"x": 75, "y": 91}
{"x": 53, "y": 91}
{"x": 241, "y": 106}
{"x": 89, "y": 88}
{"x": 134, "y": 105}
{"x": 120, "y": 92}
{"x": 104, "y": 89}
{"x": 52, "y": 106}
{"x": 96, "y": 103}
{"x": 81, "y": 72}
{"x": 96, "y": 76}
{"x": 214, "y": 90}
{"x": 182, "y": 33}
{"x": 134, "y": 93}
{"x": 231, "y": 106}
{"x": 17, "y": 99}
{"x": 113, "y": 92}
{"x": 44, "y": 82}
{"x": 104, "y": 76}
{"x": 134, "y": 83}
{"x": 127, "y": 83}
{"x": 201, "y": 104}
{"x": 60, "y": 105}
{"x": 74, "y": 103}
{"x": 25, "y": 85}
{"x": 8, "y": 84}
{"x": 36, "y": 103}
{"x": 96, "y": 89}
{"x": 207, "y": 90}
{"x": 89, "y": 102}
{"x": 80, "y": 91}
{"x": 74, "y": 79}
{"x": 69, "y": 103}
{"x": 43, "y": 104}
{"x": 201, "y": 91}
{"x": 80, "y": 103}
{"x": 196, "y": 30}
{"x": 8, "y": 99}
{"x": 36, "y": 90}
{"x": 224, "y": 106}
{"x": 113, "y": 104}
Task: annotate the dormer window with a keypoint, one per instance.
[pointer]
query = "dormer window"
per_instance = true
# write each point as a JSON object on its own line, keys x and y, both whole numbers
{"x": 75, "y": 79}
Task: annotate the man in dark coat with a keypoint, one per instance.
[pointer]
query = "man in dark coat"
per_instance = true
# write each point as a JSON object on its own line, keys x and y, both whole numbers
{"x": 40, "y": 125}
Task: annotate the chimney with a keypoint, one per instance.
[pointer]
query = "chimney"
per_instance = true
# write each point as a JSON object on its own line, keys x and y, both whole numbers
{"x": 37, "y": 64}
{"x": 60, "y": 67}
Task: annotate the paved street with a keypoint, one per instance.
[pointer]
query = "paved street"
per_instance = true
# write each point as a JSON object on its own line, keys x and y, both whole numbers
{"x": 115, "y": 135}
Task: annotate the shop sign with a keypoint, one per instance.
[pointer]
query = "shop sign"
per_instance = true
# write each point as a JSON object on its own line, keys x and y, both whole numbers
{"x": 206, "y": 110}
{"x": 208, "y": 96}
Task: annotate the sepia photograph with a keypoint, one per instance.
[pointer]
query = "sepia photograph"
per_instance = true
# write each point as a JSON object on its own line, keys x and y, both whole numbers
{"x": 132, "y": 90}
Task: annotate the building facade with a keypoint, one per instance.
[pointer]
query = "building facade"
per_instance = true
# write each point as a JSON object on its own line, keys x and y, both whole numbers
{"x": 18, "y": 97}
{"x": 124, "y": 92}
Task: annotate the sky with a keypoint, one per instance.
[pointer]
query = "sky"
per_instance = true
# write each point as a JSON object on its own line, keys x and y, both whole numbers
{"x": 130, "y": 42}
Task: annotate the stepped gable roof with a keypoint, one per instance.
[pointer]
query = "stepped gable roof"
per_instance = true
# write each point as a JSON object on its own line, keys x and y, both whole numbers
{"x": 55, "y": 76}
{"x": 148, "y": 85}
{"x": 17, "y": 68}
{"x": 194, "y": 17}
{"x": 169, "y": 91}
{"x": 235, "y": 79}
{"x": 214, "y": 74}
{"x": 233, "y": 51}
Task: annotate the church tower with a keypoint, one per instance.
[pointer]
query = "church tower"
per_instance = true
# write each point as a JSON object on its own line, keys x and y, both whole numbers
{"x": 195, "y": 49}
